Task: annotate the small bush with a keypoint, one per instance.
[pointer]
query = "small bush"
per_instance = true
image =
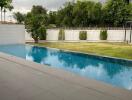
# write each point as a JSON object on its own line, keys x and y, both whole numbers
{"x": 103, "y": 35}
{"x": 42, "y": 33}
{"x": 61, "y": 34}
{"x": 83, "y": 35}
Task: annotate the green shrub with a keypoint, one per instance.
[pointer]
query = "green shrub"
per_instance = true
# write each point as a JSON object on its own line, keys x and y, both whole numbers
{"x": 83, "y": 35}
{"x": 42, "y": 33}
{"x": 61, "y": 34}
{"x": 103, "y": 35}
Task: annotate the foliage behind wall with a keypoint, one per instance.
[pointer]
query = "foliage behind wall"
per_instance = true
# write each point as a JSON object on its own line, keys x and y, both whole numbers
{"x": 113, "y": 13}
{"x": 61, "y": 34}
{"x": 103, "y": 35}
{"x": 83, "y": 35}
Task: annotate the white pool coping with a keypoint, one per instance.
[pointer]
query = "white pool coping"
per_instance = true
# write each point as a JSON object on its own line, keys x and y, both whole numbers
{"x": 66, "y": 85}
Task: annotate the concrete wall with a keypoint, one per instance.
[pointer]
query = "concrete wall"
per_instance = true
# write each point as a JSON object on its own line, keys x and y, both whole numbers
{"x": 12, "y": 34}
{"x": 52, "y": 35}
{"x": 92, "y": 35}
{"x": 28, "y": 37}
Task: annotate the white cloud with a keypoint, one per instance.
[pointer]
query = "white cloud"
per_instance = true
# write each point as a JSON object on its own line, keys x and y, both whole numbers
{"x": 25, "y": 6}
{"x": 49, "y": 4}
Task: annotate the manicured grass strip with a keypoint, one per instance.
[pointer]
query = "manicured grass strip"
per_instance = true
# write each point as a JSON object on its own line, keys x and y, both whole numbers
{"x": 119, "y": 50}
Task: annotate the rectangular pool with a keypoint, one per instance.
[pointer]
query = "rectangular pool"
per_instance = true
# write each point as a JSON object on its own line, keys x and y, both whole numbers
{"x": 116, "y": 72}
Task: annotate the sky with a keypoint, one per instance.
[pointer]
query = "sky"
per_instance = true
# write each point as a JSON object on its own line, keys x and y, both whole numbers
{"x": 25, "y": 6}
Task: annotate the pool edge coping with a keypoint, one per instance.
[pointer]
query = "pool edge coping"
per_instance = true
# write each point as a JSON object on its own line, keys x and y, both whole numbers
{"x": 95, "y": 85}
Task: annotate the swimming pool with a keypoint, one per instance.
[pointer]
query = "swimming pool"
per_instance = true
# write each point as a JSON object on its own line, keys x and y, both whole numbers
{"x": 115, "y": 72}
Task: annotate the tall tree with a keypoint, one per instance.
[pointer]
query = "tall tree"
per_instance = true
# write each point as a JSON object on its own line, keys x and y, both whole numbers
{"x": 7, "y": 7}
{"x": 4, "y": 3}
{"x": 117, "y": 12}
{"x": 52, "y": 17}
{"x": 65, "y": 15}
{"x": 80, "y": 14}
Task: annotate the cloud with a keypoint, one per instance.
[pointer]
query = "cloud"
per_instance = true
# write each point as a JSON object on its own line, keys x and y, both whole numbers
{"x": 26, "y": 5}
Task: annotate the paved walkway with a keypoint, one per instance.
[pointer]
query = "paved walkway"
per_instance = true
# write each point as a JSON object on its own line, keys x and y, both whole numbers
{"x": 24, "y": 80}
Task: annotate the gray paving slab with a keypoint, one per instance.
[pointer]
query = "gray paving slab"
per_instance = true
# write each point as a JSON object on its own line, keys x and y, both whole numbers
{"x": 25, "y": 80}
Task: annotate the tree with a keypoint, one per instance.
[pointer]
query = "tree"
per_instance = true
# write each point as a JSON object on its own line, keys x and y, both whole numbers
{"x": 19, "y": 17}
{"x": 9, "y": 7}
{"x": 38, "y": 10}
{"x": 127, "y": 1}
{"x": 87, "y": 13}
{"x": 64, "y": 15}
{"x": 116, "y": 12}
{"x": 129, "y": 8}
{"x": 4, "y": 3}
{"x": 4, "y": 14}
{"x": 80, "y": 14}
{"x": 35, "y": 21}
{"x": 68, "y": 18}
{"x": 52, "y": 17}
{"x": 42, "y": 32}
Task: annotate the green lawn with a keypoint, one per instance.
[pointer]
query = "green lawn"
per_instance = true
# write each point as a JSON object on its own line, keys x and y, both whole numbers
{"x": 120, "y": 50}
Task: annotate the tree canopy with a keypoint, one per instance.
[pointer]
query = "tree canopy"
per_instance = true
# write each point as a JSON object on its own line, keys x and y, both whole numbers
{"x": 19, "y": 17}
{"x": 5, "y": 4}
{"x": 89, "y": 13}
{"x": 117, "y": 12}
{"x": 36, "y": 21}
{"x": 113, "y": 13}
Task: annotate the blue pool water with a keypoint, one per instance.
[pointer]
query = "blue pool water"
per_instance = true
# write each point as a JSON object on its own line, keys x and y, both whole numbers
{"x": 106, "y": 70}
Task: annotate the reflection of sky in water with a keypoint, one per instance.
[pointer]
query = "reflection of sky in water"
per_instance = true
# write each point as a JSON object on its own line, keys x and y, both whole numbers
{"x": 112, "y": 73}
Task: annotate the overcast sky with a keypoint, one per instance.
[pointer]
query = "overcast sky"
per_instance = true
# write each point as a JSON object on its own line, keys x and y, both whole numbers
{"x": 25, "y": 5}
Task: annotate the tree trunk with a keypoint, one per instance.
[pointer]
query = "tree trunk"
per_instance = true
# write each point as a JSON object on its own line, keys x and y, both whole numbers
{"x": 4, "y": 16}
{"x": 1, "y": 14}
{"x": 36, "y": 40}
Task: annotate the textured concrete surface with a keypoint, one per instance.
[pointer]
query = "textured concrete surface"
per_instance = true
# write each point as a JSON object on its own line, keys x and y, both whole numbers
{"x": 24, "y": 80}
{"x": 12, "y": 34}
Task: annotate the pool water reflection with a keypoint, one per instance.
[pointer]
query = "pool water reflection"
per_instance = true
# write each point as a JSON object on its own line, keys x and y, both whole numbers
{"x": 112, "y": 73}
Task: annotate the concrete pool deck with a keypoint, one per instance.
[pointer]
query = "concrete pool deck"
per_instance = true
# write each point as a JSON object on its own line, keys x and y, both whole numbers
{"x": 25, "y": 80}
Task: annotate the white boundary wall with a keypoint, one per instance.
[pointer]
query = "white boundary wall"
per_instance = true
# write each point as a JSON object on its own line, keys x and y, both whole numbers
{"x": 28, "y": 37}
{"x": 12, "y": 34}
{"x": 92, "y": 35}
{"x": 52, "y": 35}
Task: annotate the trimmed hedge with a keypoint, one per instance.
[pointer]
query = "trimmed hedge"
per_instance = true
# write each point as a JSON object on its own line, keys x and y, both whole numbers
{"x": 83, "y": 35}
{"x": 61, "y": 34}
{"x": 103, "y": 35}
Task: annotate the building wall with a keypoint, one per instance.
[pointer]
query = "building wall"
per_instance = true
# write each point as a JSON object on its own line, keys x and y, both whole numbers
{"x": 12, "y": 34}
